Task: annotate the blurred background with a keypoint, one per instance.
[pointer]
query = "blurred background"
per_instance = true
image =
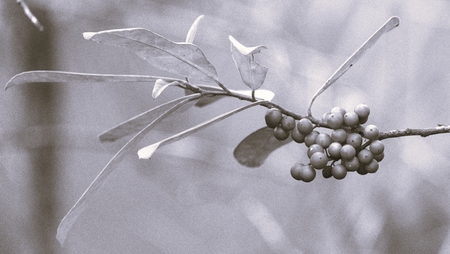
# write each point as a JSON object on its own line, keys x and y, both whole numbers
{"x": 193, "y": 197}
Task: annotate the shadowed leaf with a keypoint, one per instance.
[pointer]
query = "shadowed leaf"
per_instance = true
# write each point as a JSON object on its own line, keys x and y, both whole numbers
{"x": 256, "y": 147}
{"x": 138, "y": 122}
{"x": 252, "y": 73}
{"x": 70, "y": 218}
{"x": 147, "y": 152}
{"x": 64, "y": 76}
{"x": 184, "y": 59}
{"x": 193, "y": 30}
{"x": 392, "y": 23}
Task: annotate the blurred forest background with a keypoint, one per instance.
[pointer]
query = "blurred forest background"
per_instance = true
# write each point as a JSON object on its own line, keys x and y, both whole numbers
{"x": 193, "y": 197}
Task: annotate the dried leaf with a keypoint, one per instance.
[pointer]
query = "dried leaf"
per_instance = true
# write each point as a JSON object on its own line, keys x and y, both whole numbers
{"x": 392, "y": 23}
{"x": 193, "y": 30}
{"x": 70, "y": 218}
{"x": 162, "y": 84}
{"x": 256, "y": 147}
{"x": 252, "y": 73}
{"x": 147, "y": 152}
{"x": 64, "y": 76}
{"x": 184, "y": 59}
{"x": 137, "y": 123}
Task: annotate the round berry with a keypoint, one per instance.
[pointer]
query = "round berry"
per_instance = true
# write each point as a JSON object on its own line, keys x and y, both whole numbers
{"x": 313, "y": 149}
{"x": 323, "y": 140}
{"x": 353, "y": 164}
{"x": 273, "y": 117}
{"x": 371, "y": 132}
{"x": 363, "y": 120}
{"x": 326, "y": 172}
{"x": 354, "y": 139}
{"x": 339, "y": 135}
{"x": 280, "y": 134}
{"x": 304, "y": 126}
{"x": 297, "y": 136}
{"x": 335, "y": 120}
{"x": 303, "y": 172}
{"x": 365, "y": 156}
{"x": 311, "y": 138}
{"x": 325, "y": 117}
{"x": 339, "y": 110}
{"x": 319, "y": 160}
{"x": 339, "y": 171}
{"x": 378, "y": 157}
{"x": 334, "y": 150}
{"x": 362, "y": 171}
{"x": 362, "y": 110}
{"x": 296, "y": 171}
{"x": 287, "y": 123}
{"x": 372, "y": 167}
{"x": 376, "y": 147}
{"x": 351, "y": 119}
{"x": 347, "y": 152}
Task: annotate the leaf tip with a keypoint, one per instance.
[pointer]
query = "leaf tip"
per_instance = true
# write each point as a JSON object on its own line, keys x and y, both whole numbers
{"x": 147, "y": 152}
{"x": 88, "y": 35}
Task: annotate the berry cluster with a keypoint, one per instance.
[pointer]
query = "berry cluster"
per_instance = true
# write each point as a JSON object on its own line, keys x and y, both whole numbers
{"x": 348, "y": 147}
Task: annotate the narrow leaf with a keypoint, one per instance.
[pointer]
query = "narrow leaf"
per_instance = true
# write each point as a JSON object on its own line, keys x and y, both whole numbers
{"x": 147, "y": 152}
{"x": 63, "y": 76}
{"x": 193, "y": 30}
{"x": 252, "y": 73}
{"x": 137, "y": 123}
{"x": 253, "y": 150}
{"x": 162, "y": 84}
{"x": 184, "y": 59}
{"x": 392, "y": 23}
{"x": 70, "y": 218}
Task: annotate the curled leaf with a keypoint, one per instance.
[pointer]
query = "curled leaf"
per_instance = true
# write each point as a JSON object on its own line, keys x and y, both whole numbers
{"x": 64, "y": 76}
{"x": 162, "y": 84}
{"x": 252, "y": 73}
{"x": 193, "y": 30}
{"x": 147, "y": 152}
{"x": 253, "y": 150}
{"x": 184, "y": 59}
{"x": 392, "y": 23}
{"x": 73, "y": 214}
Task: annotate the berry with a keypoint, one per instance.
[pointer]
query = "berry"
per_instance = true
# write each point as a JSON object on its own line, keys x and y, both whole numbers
{"x": 280, "y": 134}
{"x": 347, "y": 152}
{"x": 303, "y": 172}
{"x": 362, "y": 110}
{"x": 335, "y": 120}
{"x": 362, "y": 171}
{"x": 326, "y": 172}
{"x": 371, "y": 132}
{"x": 372, "y": 167}
{"x": 353, "y": 164}
{"x": 319, "y": 160}
{"x": 376, "y": 147}
{"x": 325, "y": 117}
{"x": 311, "y": 138}
{"x": 273, "y": 117}
{"x": 338, "y": 171}
{"x": 354, "y": 139}
{"x": 287, "y": 123}
{"x": 334, "y": 150}
{"x": 305, "y": 126}
{"x": 339, "y": 110}
{"x": 365, "y": 156}
{"x": 378, "y": 157}
{"x": 297, "y": 136}
{"x": 313, "y": 149}
{"x": 339, "y": 135}
{"x": 363, "y": 120}
{"x": 351, "y": 119}
{"x": 323, "y": 140}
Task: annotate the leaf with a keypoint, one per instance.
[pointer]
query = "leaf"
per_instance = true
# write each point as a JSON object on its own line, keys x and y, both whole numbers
{"x": 252, "y": 73}
{"x": 138, "y": 122}
{"x": 193, "y": 30}
{"x": 253, "y": 150}
{"x": 70, "y": 218}
{"x": 392, "y": 23}
{"x": 63, "y": 76}
{"x": 184, "y": 59}
{"x": 147, "y": 152}
{"x": 162, "y": 84}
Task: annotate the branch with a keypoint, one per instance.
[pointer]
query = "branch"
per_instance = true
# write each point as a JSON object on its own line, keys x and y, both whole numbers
{"x": 414, "y": 132}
